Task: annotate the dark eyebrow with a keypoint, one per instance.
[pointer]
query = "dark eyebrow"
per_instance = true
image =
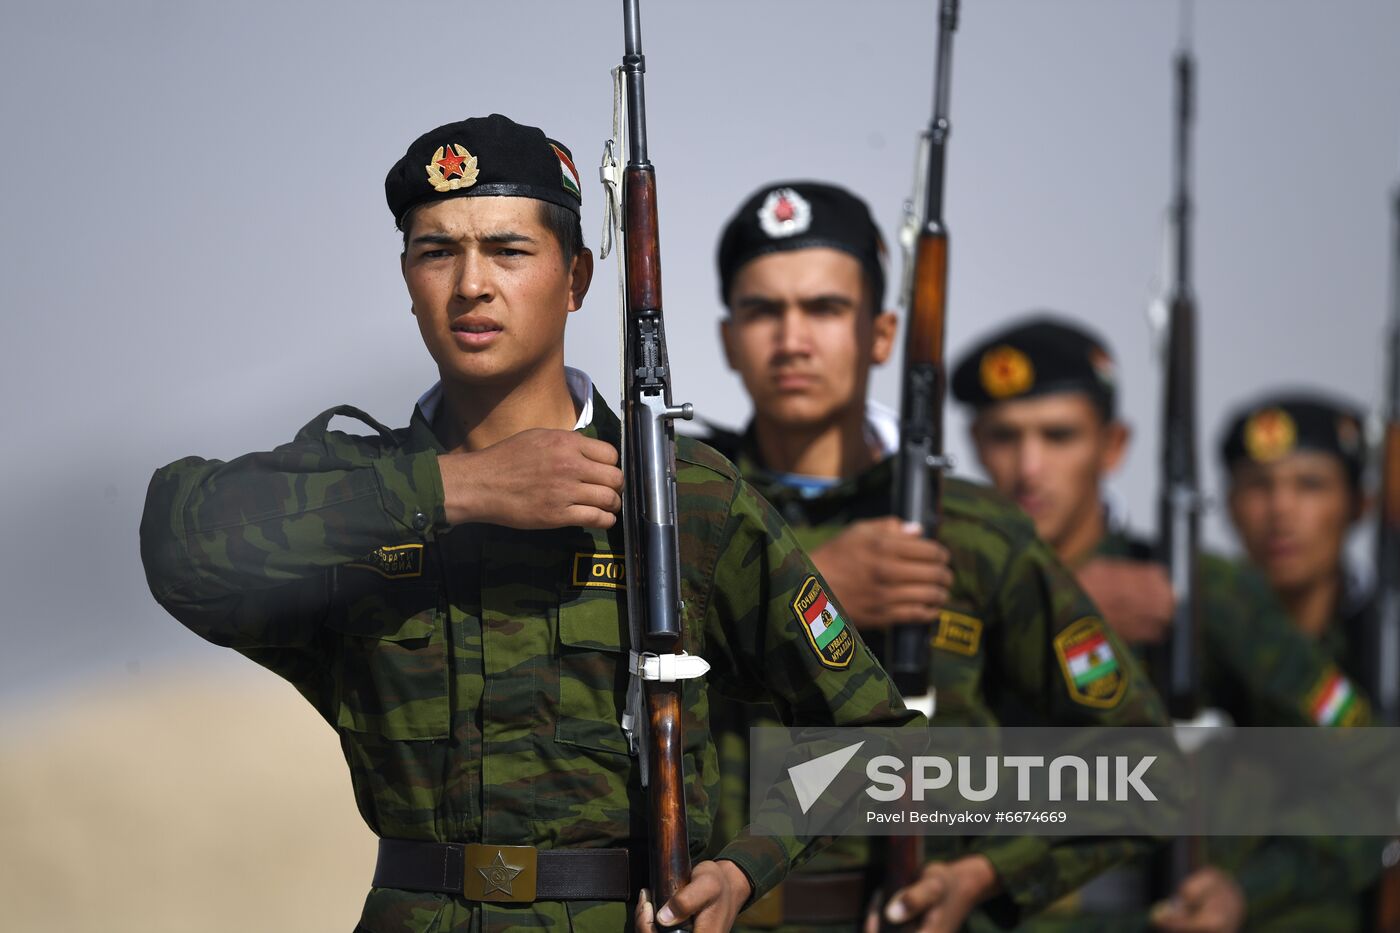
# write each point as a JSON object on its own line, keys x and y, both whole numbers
{"x": 831, "y": 299}
{"x": 506, "y": 236}
{"x": 435, "y": 239}
{"x": 443, "y": 239}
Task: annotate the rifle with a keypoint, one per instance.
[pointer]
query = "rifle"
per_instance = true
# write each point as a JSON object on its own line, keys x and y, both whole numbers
{"x": 1383, "y": 654}
{"x": 649, "y": 498}
{"x": 1382, "y": 635}
{"x": 1174, "y": 666}
{"x": 919, "y": 464}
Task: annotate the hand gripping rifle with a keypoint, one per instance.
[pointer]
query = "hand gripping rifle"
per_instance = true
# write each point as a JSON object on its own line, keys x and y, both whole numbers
{"x": 1174, "y": 666}
{"x": 919, "y": 465}
{"x": 661, "y": 667}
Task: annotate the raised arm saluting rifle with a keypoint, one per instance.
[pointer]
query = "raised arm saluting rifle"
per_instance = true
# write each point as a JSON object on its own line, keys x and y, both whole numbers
{"x": 919, "y": 464}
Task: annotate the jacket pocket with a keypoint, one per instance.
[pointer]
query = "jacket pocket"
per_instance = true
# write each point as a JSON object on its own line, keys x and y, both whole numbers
{"x": 392, "y": 679}
{"x": 593, "y": 670}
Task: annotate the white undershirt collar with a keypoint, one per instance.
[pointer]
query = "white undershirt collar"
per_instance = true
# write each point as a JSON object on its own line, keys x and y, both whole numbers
{"x": 580, "y": 389}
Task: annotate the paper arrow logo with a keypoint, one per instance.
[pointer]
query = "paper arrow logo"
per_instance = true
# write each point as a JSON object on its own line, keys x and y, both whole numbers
{"x": 812, "y": 778}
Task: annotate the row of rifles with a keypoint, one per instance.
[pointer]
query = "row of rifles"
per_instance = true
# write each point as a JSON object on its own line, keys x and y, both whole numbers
{"x": 649, "y": 458}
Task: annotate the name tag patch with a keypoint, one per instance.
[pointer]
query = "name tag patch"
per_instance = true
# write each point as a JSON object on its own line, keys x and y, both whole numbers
{"x": 394, "y": 562}
{"x": 958, "y": 633}
{"x": 604, "y": 571}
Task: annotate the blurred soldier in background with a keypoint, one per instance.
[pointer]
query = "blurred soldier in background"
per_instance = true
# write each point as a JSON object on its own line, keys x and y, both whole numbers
{"x": 801, "y": 268}
{"x": 1045, "y": 426}
{"x": 1294, "y": 463}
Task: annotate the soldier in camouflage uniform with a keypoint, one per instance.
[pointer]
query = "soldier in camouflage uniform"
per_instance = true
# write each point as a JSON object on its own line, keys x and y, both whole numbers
{"x": 1046, "y": 430}
{"x": 1295, "y": 462}
{"x": 449, "y": 596}
{"x": 802, "y": 276}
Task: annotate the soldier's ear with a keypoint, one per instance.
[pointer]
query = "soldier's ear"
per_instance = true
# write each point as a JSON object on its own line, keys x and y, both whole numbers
{"x": 726, "y": 336}
{"x": 885, "y": 328}
{"x": 1117, "y": 434}
{"x": 580, "y": 277}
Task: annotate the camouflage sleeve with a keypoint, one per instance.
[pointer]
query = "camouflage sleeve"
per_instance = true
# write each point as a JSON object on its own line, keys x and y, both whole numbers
{"x": 772, "y": 626}
{"x": 1051, "y": 648}
{"x": 238, "y": 550}
{"x": 1283, "y": 877}
{"x": 1258, "y": 666}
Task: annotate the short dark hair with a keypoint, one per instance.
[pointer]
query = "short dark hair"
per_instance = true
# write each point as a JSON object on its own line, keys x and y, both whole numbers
{"x": 565, "y": 224}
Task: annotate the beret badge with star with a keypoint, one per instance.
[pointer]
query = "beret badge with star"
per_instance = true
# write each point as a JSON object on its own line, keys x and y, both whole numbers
{"x": 452, "y": 167}
{"x": 1006, "y": 371}
{"x": 1270, "y": 434}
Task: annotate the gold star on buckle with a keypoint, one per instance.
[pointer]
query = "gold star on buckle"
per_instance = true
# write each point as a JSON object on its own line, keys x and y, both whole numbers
{"x": 493, "y": 875}
{"x": 499, "y": 875}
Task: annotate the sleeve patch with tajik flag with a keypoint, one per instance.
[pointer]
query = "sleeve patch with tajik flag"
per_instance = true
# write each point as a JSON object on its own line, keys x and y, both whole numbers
{"x": 826, "y": 630}
{"x": 393, "y": 562}
{"x": 568, "y": 174}
{"x": 1092, "y": 673}
{"x": 1334, "y": 701}
{"x": 958, "y": 633}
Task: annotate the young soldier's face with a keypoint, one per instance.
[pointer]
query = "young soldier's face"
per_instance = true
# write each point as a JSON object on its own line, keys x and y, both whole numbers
{"x": 1292, "y": 516}
{"x": 1050, "y": 454}
{"x": 802, "y": 336}
{"x": 490, "y": 288}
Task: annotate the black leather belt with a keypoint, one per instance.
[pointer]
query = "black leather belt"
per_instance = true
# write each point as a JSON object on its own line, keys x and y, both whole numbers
{"x": 508, "y": 874}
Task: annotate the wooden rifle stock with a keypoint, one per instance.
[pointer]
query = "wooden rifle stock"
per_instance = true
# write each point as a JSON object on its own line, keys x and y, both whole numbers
{"x": 919, "y": 483}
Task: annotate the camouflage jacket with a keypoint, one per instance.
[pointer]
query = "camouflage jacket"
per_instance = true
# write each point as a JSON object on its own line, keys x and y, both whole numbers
{"x": 1343, "y": 641}
{"x": 1255, "y": 665}
{"x": 476, "y": 674}
{"x": 1259, "y": 669}
{"x": 1012, "y": 610}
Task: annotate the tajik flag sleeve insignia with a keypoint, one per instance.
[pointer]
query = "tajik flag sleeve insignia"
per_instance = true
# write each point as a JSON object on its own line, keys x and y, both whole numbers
{"x": 1333, "y": 702}
{"x": 1092, "y": 673}
{"x": 823, "y": 625}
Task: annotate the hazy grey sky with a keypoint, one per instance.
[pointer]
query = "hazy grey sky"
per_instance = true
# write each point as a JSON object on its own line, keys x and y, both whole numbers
{"x": 197, "y": 256}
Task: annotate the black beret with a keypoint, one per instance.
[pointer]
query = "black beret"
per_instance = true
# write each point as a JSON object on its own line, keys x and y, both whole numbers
{"x": 483, "y": 156}
{"x": 800, "y": 215}
{"x": 1276, "y": 425}
{"x": 1039, "y": 355}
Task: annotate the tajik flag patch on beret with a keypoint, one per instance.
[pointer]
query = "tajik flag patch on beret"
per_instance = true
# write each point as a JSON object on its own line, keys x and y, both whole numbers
{"x": 568, "y": 174}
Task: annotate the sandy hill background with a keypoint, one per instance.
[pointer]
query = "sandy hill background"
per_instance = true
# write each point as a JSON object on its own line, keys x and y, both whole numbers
{"x": 184, "y": 802}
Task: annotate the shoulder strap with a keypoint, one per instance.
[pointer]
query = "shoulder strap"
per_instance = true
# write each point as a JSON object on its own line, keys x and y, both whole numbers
{"x": 316, "y": 428}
